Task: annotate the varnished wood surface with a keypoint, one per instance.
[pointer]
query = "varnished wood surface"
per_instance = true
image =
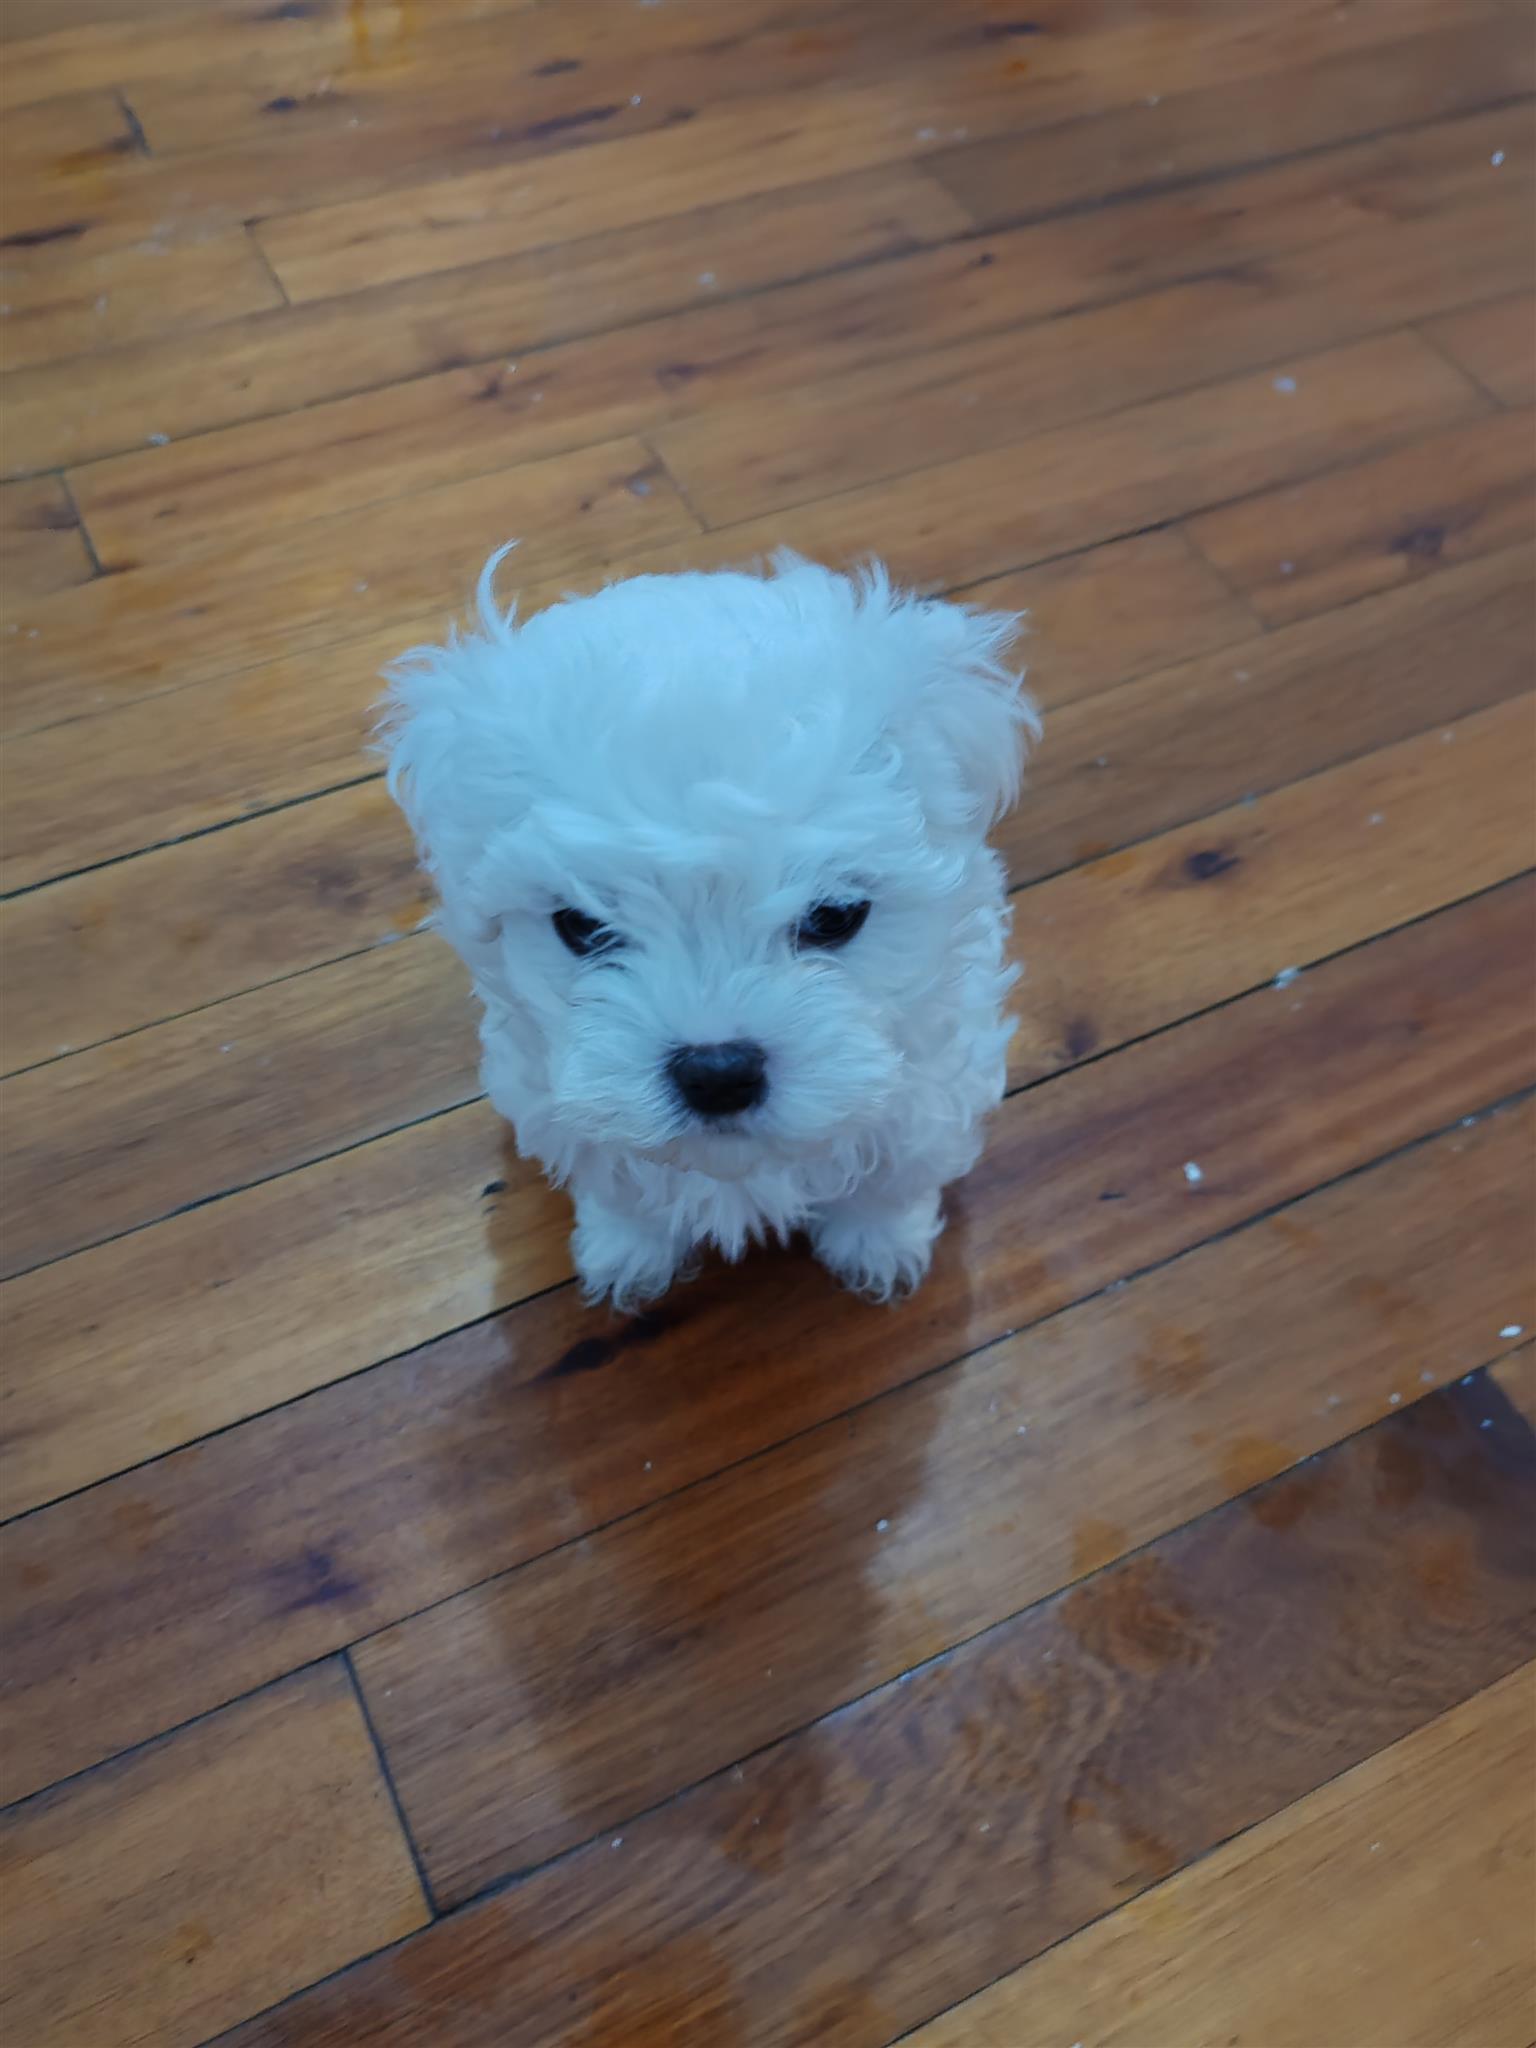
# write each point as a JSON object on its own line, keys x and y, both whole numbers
{"x": 1132, "y": 1639}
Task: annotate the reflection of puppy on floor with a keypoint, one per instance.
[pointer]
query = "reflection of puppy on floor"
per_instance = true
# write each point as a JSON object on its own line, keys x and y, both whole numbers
{"x": 713, "y": 848}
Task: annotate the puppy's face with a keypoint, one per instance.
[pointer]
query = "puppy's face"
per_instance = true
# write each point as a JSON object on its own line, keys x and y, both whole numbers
{"x": 704, "y": 836}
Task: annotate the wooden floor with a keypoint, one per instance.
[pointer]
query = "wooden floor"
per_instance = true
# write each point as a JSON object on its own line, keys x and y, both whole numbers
{"x": 1127, "y": 1643}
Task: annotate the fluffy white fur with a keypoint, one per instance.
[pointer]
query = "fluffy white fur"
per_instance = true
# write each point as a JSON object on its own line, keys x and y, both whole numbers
{"x": 695, "y": 762}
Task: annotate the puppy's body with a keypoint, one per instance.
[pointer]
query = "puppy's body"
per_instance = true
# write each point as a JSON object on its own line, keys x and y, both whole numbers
{"x": 713, "y": 848}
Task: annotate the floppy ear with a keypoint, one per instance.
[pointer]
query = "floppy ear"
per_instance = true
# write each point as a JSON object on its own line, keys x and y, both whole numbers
{"x": 443, "y": 730}
{"x": 970, "y": 721}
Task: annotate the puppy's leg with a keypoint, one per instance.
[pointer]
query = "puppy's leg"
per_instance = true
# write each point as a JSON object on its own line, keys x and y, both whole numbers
{"x": 623, "y": 1253}
{"x": 879, "y": 1240}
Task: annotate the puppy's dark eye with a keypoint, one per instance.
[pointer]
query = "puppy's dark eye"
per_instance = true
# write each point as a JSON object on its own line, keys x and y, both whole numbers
{"x": 830, "y": 925}
{"x": 583, "y": 935}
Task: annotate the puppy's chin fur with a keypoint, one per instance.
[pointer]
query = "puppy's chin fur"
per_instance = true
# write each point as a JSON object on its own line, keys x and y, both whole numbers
{"x": 695, "y": 763}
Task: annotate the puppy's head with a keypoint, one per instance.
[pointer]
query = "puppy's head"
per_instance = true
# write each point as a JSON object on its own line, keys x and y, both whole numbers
{"x": 707, "y": 837}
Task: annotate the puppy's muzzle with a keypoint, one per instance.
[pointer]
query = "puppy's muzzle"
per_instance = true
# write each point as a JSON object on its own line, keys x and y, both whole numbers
{"x": 718, "y": 1081}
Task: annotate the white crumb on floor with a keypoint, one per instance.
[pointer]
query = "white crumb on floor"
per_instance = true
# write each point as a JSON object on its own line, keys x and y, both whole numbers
{"x": 1513, "y": 1330}
{"x": 1193, "y": 1174}
{"x": 984, "y": 1827}
{"x": 882, "y": 1525}
{"x": 634, "y": 99}
{"x": 1497, "y": 158}
{"x": 1286, "y": 976}
{"x": 1486, "y": 1423}
{"x": 1427, "y": 1377}
{"x": 617, "y": 1842}
{"x": 648, "y": 1464}
{"x": 1393, "y": 1400}
{"x": 1022, "y": 1430}
{"x": 1377, "y": 818}
{"x": 1286, "y": 384}
{"x": 157, "y": 440}
{"x": 1467, "y": 1378}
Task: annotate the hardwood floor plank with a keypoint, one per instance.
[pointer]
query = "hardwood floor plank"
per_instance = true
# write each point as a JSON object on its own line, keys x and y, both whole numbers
{"x": 154, "y": 502}
{"x": 559, "y": 77}
{"x": 969, "y": 519}
{"x": 1135, "y": 940}
{"x": 227, "y": 1309}
{"x": 110, "y": 784}
{"x": 1496, "y": 344}
{"x": 374, "y": 182}
{"x": 113, "y": 950}
{"x": 230, "y": 1095}
{"x": 757, "y": 144}
{"x": 1467, "y": 491}
{"x": 407, "y": 1483}
{"x": 1403, "y": 1883}
{"x": 176, "y": 1890}
{"x": 114, "y": 42}
{"x": 328, "y": 1051}
{"x": 94, "y": 788}
{"x": 327, "y": 350}
{"x": 741, "y": 462}
{"x": 1181, "y": 135}
{"x": 66, "y": 145}
{"x": 268, "y": 366}
{"x": 41, "y": 545}
{"x": 323, "y": 1059}
{"x": 150, "y": 629}
{"x": 1198, "y": 738}
{"x": 73, "y": 299}
{"x": 553, "y": 1704}
{"x": 1050, "y": 1769}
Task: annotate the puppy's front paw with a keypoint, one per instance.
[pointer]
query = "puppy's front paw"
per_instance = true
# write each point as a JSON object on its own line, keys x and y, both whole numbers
{"x": 875, "y": 1248}
{"x": 621, "y": 1258}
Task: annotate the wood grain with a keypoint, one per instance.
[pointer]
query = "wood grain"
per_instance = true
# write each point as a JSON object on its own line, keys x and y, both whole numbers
{"x": 1140, "y": 938}
{"x": 783, "y": 1901}
{"x": 41, "y": 545}
{"x": 168, "y": 1894}
{"x": 554, "y": 1703}
{"x": 111, "y": 951}
{"x": 133, "y": 634}
{"x": 97, "y": 299}
{"x": 1227, "y": 726}
{"x": 152, "y": 503}
{"x": 91, "y": 789}
{"x": 1468, "y": 491}
{"x": 759, "y": 144}
{"x": 232, "y": 1307}
{"x": 316, "y": 1524}
{"x": 263, "y": 367}
{"x": 1496, "y": 344}
{"x": 114, "y": 783}
{"x": 577, "y": 74}
{"x": 229, "y": 1095}
{"x": 998, "y": 389}
{"x": 965, "y": 520}
{"x": 337, "y": 875}
{"x": 1404, "y": 1884}
{"x": 1167, "y": 136}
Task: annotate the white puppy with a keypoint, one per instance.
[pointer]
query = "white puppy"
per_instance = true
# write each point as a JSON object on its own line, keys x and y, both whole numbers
{"x": 713, "y": 848}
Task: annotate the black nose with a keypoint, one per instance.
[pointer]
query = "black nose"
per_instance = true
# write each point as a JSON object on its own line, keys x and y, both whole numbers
{"x": 720, "y": 1080}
